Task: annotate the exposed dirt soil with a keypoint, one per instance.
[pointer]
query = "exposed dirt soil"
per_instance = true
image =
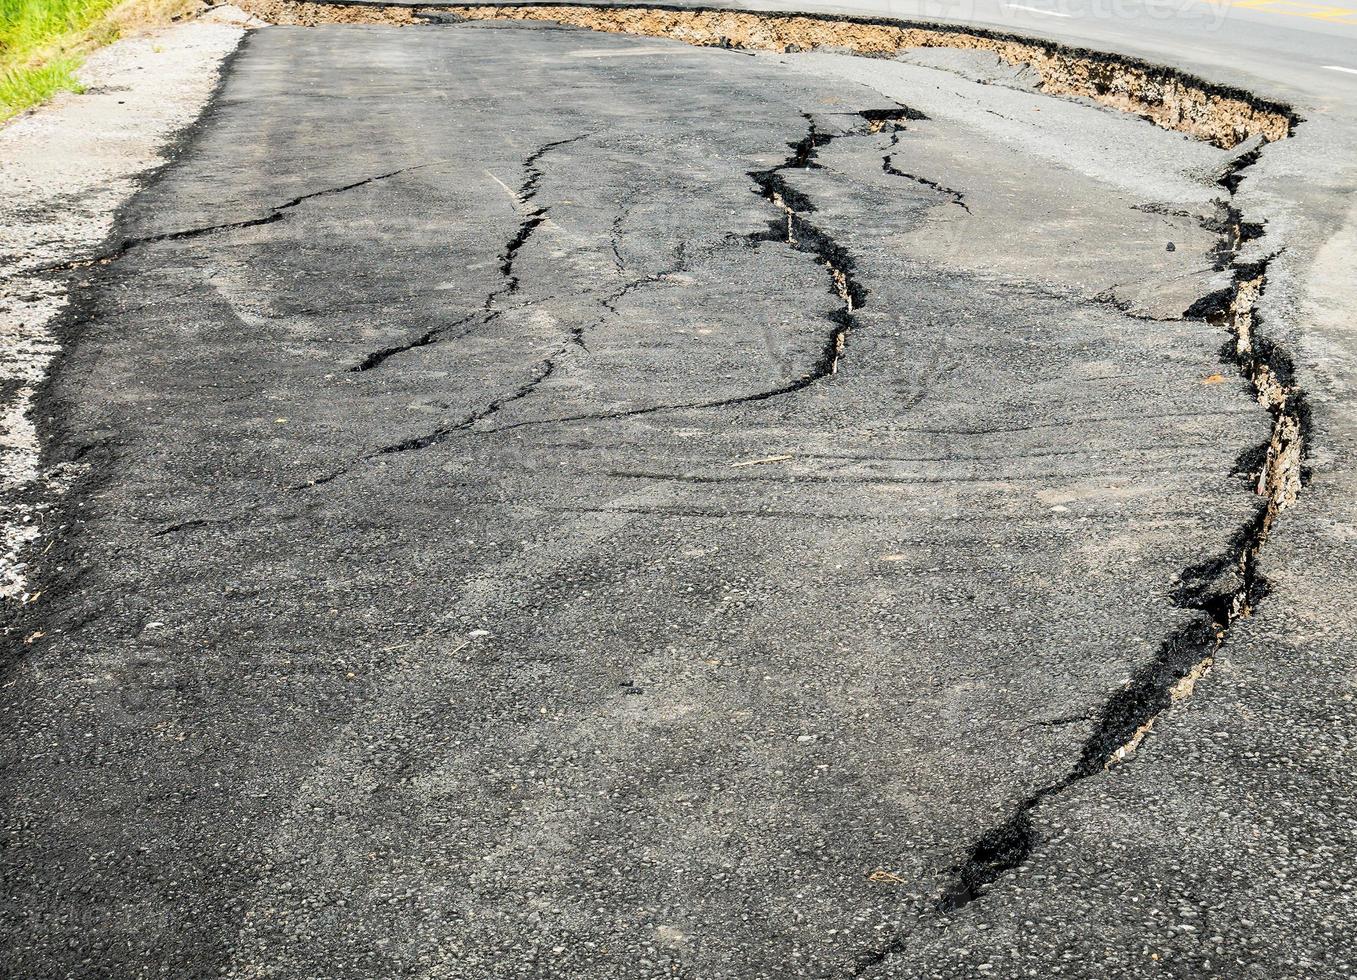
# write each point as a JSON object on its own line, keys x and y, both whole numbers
{"x": 1167, "y": 98}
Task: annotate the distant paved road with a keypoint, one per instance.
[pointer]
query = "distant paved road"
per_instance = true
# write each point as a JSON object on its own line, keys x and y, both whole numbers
{"x": 1303, "y": 51}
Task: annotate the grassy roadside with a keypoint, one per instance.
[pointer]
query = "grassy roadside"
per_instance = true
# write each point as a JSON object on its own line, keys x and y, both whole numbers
{"x": 42, "y": 42}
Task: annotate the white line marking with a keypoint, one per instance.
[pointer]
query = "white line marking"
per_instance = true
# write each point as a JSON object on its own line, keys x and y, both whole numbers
{"x": 1350, "y": 71}
{"x": 1037, "y": 10}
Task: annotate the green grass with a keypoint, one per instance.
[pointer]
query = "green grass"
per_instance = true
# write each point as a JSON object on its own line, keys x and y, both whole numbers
{"x": 41, "y": 44}
{"x": 26, "y": 25}
{"x": 27, "y": 85}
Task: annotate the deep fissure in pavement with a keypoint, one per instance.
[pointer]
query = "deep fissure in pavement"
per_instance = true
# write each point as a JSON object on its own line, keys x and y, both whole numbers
{"x": 533, "y": 220}
{"x": 1130, "y": 713}
{"x": 798, "y": 232}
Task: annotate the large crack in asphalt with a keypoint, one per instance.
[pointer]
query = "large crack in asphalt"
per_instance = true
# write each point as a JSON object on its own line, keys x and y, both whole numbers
{"x": 276, "y": 212}
{"x": 533, "y": 218}
{"x": 798, "y": 231}
{"x": 1226, "y": 588}
{"x": 888, "y": 166}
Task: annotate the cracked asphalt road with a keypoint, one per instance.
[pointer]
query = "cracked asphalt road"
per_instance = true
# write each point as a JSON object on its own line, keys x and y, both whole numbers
{"x": 526, "y": 539}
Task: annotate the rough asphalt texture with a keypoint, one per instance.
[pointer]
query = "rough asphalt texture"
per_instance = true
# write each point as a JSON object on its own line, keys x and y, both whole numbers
{"x": 494, "y": 568}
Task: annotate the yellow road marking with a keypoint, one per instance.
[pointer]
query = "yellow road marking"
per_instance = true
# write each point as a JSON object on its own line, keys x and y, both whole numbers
{"x": 1298, "y": 8}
